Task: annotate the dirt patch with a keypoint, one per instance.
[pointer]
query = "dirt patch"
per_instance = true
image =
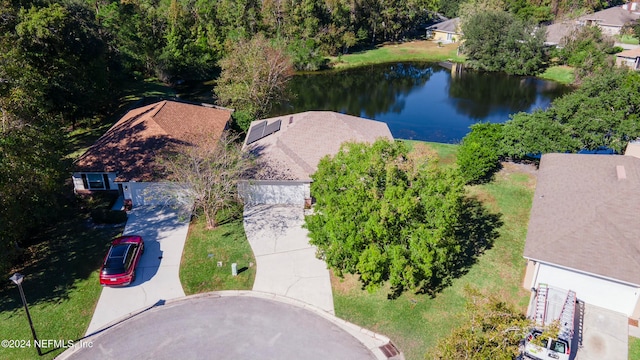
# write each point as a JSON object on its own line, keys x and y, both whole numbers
{"x": 509, "y": 167}
{"x": 346, "y": 285}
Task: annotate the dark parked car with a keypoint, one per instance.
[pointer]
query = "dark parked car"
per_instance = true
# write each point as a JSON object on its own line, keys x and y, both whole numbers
{"x": 119, "y": 266}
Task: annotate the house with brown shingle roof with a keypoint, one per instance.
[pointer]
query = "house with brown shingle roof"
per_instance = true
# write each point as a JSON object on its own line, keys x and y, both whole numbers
{"x": 584, "y": 229}
{"x": 124, "y": 158}
{"x": 290, "y": 147}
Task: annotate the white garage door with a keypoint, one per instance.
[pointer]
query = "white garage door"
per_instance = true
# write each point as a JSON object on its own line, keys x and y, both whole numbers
{"x": 592, "y": 290}
{"x": 274, "y": 192}
{"x": 153, "y": 194}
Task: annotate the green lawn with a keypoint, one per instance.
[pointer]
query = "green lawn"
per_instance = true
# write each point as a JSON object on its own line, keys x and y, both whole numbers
{"x": 561, "y": 74}
{"x": 628, "y": 39}
{"x": 61, "y": 285}
{"x": 634, "y": 348}
{"x": 199, "y": 271}
{"x": 420, "y": 50}
{"x": 416, "y": 322}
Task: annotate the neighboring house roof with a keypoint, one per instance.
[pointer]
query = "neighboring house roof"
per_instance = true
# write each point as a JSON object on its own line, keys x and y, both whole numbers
{"x": 585, "y": 215}
{"x": 558, "y": 31}
{"x": 129, "y": 148}
{"x": 449, "y": 26}
{"x": 294, "y": 151}
{"x": 615, "y": 16}
{"x": 631, "y": 54}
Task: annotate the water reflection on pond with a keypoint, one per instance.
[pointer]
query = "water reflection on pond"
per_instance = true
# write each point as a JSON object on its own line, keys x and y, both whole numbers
{"x": 418, "y": 100}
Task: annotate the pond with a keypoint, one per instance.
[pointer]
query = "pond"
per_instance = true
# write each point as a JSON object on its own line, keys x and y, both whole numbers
{"x": 420, "y": 101}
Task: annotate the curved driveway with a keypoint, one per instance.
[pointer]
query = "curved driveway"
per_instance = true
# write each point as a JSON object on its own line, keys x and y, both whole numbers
{"x": 230, "y": 325}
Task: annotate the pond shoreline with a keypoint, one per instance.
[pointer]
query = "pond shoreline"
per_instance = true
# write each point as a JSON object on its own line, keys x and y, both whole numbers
{"x": 423, "y": 51}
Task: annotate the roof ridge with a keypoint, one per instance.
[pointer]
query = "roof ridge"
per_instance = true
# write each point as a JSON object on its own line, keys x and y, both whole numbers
{"x": 153, "y": 114}
{"x": 292, "y": 154}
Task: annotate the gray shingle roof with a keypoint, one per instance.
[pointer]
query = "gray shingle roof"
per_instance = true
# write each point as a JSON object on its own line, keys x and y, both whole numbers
{"x": 449, "y": 26}
{"x": 585, "y": 218}
{"x": 613, "y": 16}
{"x": 293, "y": 152}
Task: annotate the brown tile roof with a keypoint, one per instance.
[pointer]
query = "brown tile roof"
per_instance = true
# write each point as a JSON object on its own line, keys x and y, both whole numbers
{"x": 293, "y": 152}
{"x": 585, "y": 215}
{"x": 129, "y": 147}
{"x": 613, "y": 16}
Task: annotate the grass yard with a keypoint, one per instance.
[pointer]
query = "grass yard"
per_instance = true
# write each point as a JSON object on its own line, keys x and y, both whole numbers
{"x": 228, "y": 243}
{"x": 562, "y": 74}
{"x": 634, "y": 348}
{"x": 61, "y": 285}
{"x": 419, "y": 50}
{"x": 416, "y": 322}
{"x": 628, "y": 39}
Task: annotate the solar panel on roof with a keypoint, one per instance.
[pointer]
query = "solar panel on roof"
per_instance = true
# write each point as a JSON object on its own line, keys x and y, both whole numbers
{"x": 271, "y": 128}
{"x": 256, "y": 132}
{"x": 261, "y": 130}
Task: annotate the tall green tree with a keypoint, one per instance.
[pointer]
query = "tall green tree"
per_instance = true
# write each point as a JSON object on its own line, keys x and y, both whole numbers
{"x": 603, "y": 112}
{"x": 254, "y": 76}
{"x": 587, "y": 50}
{"x": 496, "y": 40}
{"x": 385, "y": 216}
{"x": 479, "y": 153}
{"x": 54, "y": 61}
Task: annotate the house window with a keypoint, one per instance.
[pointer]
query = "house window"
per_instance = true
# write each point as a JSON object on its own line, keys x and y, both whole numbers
{"x": 95, "y": 181}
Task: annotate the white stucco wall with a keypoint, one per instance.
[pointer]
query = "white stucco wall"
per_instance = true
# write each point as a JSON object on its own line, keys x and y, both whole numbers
{"x": 274, "y": 192}
{"x": 605, "y": 293}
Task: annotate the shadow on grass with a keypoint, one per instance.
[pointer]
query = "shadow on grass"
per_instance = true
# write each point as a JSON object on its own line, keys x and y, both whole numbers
{"x": 477, "y": 233}
{"x": 59, "y": 256}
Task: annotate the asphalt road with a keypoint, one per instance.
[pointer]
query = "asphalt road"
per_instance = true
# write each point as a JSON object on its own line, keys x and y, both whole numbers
{"x": 231, "y": 327}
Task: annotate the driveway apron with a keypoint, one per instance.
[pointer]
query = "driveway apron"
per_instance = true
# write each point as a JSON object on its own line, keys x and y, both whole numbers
{"x": 286, "y": 262}
{"x": 164, "y": 233}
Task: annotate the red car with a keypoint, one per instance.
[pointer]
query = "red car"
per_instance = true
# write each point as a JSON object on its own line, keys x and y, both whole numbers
{"x": 119, "y": 266}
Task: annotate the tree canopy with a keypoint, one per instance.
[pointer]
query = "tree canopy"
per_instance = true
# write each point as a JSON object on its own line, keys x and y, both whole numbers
{"x": 495, "y": 40}
{"x": 207, "y": 176}
{"x": 254, "y": 76}
{"x": 388, "y": 216}
{"x": 603, "y": 112}
{"x": 492, "y": 329}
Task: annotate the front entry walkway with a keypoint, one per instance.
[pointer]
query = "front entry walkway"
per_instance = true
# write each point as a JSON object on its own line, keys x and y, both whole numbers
{"x": 164, "y": 233}
{"x": 286, "y": 262}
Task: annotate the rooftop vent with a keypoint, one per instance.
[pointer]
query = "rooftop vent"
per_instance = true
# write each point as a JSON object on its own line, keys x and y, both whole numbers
{"x": 622, "y": 174}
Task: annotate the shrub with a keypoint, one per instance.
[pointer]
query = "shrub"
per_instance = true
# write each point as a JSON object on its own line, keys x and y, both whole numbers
{"x": 106, "y": 216}
{"x": 479, "y": 154}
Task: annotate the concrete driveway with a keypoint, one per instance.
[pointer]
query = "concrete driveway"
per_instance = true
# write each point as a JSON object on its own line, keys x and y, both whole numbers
{"x": 164, "y": 233}
{"x": 604, "y": 334}
{"x": 286, "y": 263}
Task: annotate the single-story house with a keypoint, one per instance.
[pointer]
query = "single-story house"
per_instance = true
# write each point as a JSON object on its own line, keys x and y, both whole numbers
{"x": 447, "y": 31}
{"x": 290, "y": 147}
{"x": 612, "y": 20}
{"x": 556, "y": 32}
{"x": 123, "y": 160}
{"x": 583, "y": 229}
{"x": 629, "y": 58}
